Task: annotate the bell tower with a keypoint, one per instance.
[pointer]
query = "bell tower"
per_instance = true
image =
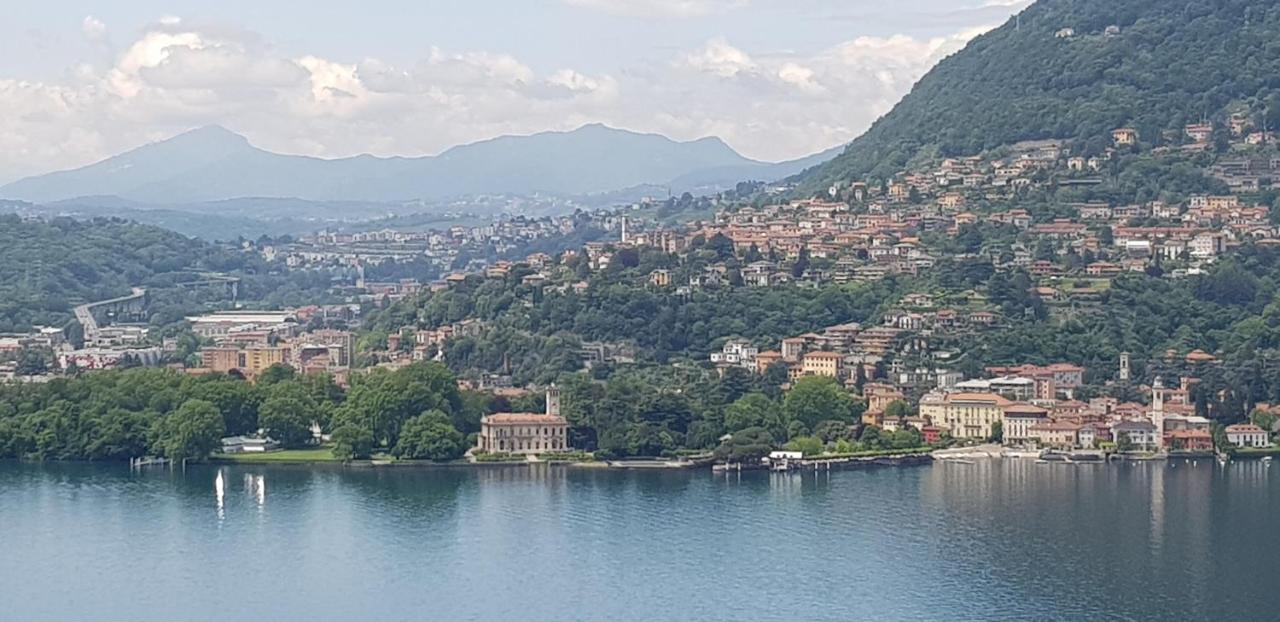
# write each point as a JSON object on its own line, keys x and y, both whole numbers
{"x": 553, "y": 400}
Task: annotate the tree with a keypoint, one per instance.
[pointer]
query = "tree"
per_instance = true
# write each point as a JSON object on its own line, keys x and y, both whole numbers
{"x": 807, "y": 445}
{"x": 746, "y": 446}
{"x": 286, "y": 420}
{"x": 755, "y": 410}
{"x": 430, "y": 436}
{"x": 832, "y": 431}
{"x": 1264, "y": 419}
{"x": 31, "y": 362}
{"x": 276, "y": 373}
{"x": 233, "y": 397}
{"x": 816, "y": 399}
{"x": 802, "y": 263}
{"x": 997, "y": 432}
{"x": 774, "y": 378}
{"x": 351, "y": 442}
{"x": 192, "y": 431}
{"x": 906, "y": 437}
{"x": 896, "y": 409}
{"x": 1124, "y": 442}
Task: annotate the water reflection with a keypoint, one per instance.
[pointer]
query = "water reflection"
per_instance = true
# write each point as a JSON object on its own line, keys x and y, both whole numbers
{"x": 219, "y": 494}
{"x": 256, "y": 486}
{"x": 1008, "y": 539}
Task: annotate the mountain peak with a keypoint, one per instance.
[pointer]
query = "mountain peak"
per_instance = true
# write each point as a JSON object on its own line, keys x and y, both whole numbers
{"x": 209, "y": 135}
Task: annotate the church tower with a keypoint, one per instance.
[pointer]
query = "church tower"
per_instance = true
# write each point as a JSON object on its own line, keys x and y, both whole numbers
{"x": 1124, "y": 367}
{"x": 553, "y": 400}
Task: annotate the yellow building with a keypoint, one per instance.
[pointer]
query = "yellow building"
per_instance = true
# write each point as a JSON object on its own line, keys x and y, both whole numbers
{"x": 249, "y": 361}
{"x": 1125, "y": 136}
{"x": 964, "y": 415}
{"x": 827, "y": 364}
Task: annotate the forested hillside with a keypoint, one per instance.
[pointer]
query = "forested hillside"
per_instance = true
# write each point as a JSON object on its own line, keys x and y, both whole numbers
{"x": 48, "y": 267}
{"x": 1147, "y": 64}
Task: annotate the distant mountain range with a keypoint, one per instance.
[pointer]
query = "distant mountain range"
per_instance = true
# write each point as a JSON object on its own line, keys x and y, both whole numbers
{"x": 214, "y": 164}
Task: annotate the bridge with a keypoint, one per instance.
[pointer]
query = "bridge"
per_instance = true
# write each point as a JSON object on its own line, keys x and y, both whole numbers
{"x": 127, "y": 308}
{"x": 228, "y": 284}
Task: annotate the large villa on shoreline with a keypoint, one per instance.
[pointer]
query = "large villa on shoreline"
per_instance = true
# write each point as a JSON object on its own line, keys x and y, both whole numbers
{"x": 526, "y": 433}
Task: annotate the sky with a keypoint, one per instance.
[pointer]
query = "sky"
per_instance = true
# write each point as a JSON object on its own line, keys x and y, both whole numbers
{"x": 81, "y": 80}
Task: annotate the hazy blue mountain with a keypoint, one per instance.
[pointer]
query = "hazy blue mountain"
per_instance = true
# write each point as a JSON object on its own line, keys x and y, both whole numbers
{"x": 215, "y": 164}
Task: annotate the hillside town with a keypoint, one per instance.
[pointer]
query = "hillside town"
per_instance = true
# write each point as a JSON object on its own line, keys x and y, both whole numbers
{"x": 907, "y": 367}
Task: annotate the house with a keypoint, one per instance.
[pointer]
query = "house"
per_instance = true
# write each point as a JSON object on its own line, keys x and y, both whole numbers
{"x": 1055, "y": 434}
{"x": 1089, "y": 435}
{"x": 1189, "y": 440}
{"x": 1125, "y": 136}
{"x": 931, "y": 434}
{"x": 1199, "y": 132}
{"x": 736, "y": 353}
{"x": 248, "y": 444}
{"x": 792, "y": 349}
{"x": 1248, "y": 435}
{"x": 1140, "y": 434}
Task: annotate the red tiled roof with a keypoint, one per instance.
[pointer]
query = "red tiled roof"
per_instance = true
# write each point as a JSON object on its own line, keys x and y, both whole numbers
{"x": 522, "y": 419}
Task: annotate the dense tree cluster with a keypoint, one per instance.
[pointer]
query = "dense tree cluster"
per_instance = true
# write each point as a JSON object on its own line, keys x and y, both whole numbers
{"x": 414, "y": 412}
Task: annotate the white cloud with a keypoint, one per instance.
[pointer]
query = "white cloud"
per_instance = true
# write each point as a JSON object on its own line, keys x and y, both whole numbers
{"x": 93, "y": 28}
{"x": 659, "y": 8}
{"x": 719, "y": 58}
{"x": 175, "y": 76}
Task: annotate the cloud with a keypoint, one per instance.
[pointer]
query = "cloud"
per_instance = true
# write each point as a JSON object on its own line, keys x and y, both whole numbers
{"x": 659, "y": 8}
{"x": 176, "y": 75}
{"x": 719, "y": 58}
{"x": 93, "y": 28}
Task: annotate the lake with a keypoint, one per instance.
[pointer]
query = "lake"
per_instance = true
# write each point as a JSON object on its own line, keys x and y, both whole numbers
{"x": 995, "y": 540}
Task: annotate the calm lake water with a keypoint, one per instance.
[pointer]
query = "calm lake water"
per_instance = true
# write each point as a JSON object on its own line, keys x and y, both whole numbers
{"x": 1010, "y": 540}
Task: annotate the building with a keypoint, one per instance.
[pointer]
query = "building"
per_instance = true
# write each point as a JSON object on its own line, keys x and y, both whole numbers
{"x": 931, "y": 434}
{"x": 964, "y": 415}
{"x": 1019, "y": 419}
{"x": 249, "y": 361}
{"x": 1141, "y": 434}
{"x": 1125, "y": 136}
{"x": 828, "y": 364}
{"x": 736, "y": 353}
{"x": 248, "y": 445}
{"x": 1189, "y": 440}
{"x": 222, "y": 324}
{"x": 792, "y": 349}
{"x": 526, "y": 433}
{"x": 1248, "y": 435}
{"x": 1055, "y": 434}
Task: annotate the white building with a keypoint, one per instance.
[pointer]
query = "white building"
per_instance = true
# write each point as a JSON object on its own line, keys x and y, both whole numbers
{"x": 1248, "y": 435}
{"x": 1141, "y": 434}
{"x": 737, "y": 352}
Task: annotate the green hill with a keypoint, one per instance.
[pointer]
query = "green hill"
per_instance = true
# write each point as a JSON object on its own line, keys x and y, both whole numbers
{"x": 46, "y": 267}
{"x": 1148, "y": 64}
